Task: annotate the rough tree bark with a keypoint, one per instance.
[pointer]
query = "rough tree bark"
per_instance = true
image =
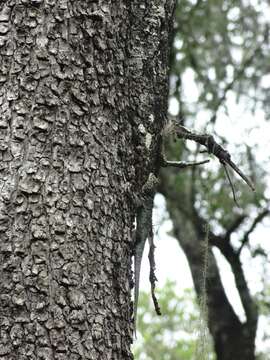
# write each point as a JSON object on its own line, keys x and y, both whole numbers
{"x": 83, "y": 97}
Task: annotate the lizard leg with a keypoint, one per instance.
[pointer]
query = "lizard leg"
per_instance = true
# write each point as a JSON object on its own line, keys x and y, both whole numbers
{"x": 182, "y": 164}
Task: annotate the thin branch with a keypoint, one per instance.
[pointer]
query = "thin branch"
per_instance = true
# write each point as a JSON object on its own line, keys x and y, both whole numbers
{"x": 255, "y": 222}
{"x": 238, "y": 221}
{"x": 239, "y": 172}
{"x": 230, "y": 181}
{"x": 212, "y": 147}
{"x": 239, "y": 72}
{"x": 233, "y": 259}
{"x": 247, "y": 300}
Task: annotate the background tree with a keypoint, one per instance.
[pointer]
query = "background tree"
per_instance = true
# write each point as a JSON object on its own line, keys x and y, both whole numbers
{"x": 83, "y": 83}
{"x": 223, "y": 47}
{"x": 174, "y": 335}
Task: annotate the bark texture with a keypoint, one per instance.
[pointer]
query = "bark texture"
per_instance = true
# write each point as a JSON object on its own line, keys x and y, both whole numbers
{"x": 83, "y": 96}
{"x": 232, "y": 338}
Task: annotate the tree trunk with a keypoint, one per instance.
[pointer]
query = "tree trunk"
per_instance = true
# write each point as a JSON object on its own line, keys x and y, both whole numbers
{"x": 232, "y": 338}
{"x": 83, "y": 97}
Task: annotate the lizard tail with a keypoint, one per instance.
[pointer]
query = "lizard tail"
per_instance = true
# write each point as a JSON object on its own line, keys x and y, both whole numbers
{"x": 137, "y": 271}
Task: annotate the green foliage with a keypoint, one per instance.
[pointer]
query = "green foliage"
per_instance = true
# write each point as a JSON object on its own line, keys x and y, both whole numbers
{"x": 174, "y": 334}
{"x": 264, "y": 301}
{"x": 215, "y": 198}
{"x": 225, "y": 46}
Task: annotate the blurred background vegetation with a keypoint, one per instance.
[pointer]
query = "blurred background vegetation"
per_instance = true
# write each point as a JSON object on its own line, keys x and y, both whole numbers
{"x": 173, "y": 335}
{"x": 219, "y": 84}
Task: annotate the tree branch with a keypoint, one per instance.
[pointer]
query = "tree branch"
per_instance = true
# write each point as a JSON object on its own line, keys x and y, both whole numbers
{"x": 255, "y": 222}
{"x": 212, "y": 147}
{"x": 238, "y": 73}
{"x": 235, "y": 225}
{"x": 232, "y": 257}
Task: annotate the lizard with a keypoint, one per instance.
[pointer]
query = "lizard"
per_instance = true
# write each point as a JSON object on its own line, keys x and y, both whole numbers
{"x": 144, "y": 226}
{"x": 143, "y": 232}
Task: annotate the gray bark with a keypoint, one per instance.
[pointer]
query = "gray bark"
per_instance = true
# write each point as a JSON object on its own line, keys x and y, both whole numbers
{"x": 83, "y": 97}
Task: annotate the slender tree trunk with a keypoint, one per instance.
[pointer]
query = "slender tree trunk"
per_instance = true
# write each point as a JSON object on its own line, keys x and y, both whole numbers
{"x": 232, "y": 338}
{"x": 83, "y": 98}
